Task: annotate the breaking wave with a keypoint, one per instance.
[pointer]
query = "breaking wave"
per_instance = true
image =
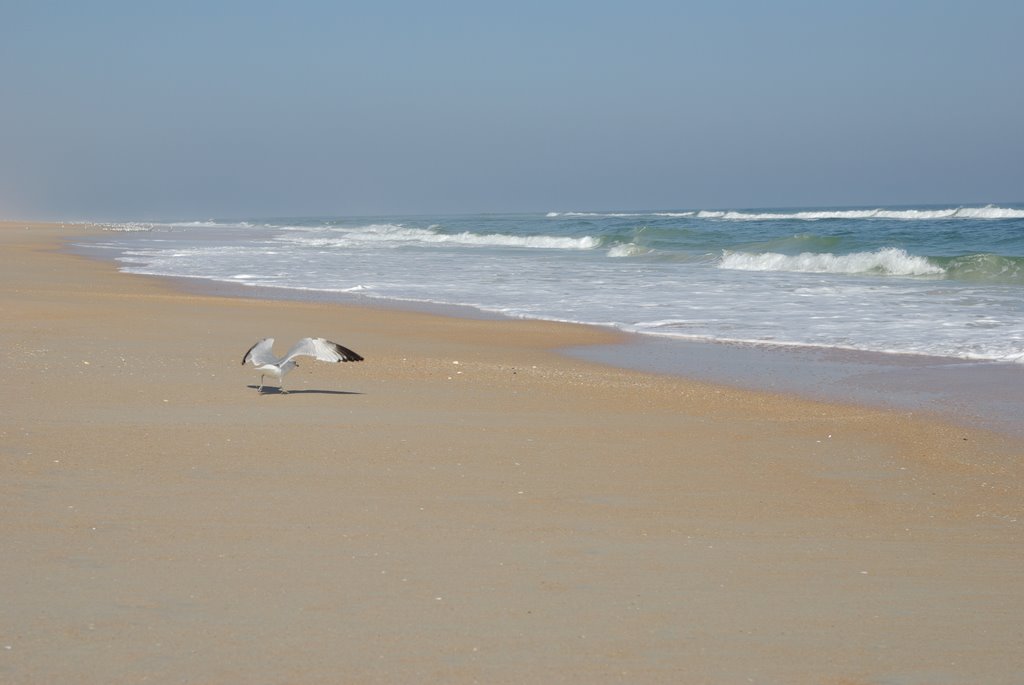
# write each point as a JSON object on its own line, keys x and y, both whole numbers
{"x": 987, "y": 212}
{"x": 626, "y": 250}
{"x": 985, "y": 268}
{"x": 394, "y": 235}
{"x": 616, "y": 215}
{"x": 889, "y": 261}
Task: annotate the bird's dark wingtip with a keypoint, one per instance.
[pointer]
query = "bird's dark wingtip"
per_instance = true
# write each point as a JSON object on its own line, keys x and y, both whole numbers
{"x": 245, "y": 357}
{"x": 346, "y": 354}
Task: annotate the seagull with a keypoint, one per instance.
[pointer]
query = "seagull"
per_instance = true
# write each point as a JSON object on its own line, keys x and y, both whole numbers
{"x": 262, "y": 356}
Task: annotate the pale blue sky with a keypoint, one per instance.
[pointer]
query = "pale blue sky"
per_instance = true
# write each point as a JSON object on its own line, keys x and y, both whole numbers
{"x": 132, "y": 110}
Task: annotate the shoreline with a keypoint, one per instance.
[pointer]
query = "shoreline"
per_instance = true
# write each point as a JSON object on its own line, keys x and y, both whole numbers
{"x": 467, "y": 505}
{"x": 983, "y": 394}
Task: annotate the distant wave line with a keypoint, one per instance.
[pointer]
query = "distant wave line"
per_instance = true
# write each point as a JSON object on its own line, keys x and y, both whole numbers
{"x": 986, "y": 212}
{"x": 614, "y": 215}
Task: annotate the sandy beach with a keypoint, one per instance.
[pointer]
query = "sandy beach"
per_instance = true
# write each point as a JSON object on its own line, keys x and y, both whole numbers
{"x": 467, "y": 505}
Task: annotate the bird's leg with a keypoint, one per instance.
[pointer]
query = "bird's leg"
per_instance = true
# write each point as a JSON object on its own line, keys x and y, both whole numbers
{"x": 260, "y": 389}
{"x": 283, "y": 391}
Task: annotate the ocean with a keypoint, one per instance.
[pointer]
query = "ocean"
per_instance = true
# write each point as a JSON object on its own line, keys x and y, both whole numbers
{"x": 943, "y": 282}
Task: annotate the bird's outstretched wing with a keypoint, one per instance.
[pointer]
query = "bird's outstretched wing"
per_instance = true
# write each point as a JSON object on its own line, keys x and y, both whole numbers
{"x": 323, "y": 350}
{"x": 261, "y": 353}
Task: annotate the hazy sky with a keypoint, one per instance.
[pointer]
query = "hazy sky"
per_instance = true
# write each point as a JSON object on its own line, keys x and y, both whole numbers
{"x": 138, "y": 110}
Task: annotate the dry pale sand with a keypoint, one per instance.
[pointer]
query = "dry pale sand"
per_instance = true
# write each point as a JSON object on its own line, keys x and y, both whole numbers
{"x": 464, "y": 506}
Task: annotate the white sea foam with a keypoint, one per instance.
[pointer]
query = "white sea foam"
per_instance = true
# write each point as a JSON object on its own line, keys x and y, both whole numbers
{"x": 209, "y": 223}
{"x": 133, "y": 226}
{"x": 123, "y": 228}
{"x": 618, "y": 215}
{"x": 626, "y": 250}
{"x": 533, "y": 241}
{"x": 987, "y": 212}
{"x": 889, "y": 261}
{"x": 771, "y": 216}
{"x": 393, "y": 235}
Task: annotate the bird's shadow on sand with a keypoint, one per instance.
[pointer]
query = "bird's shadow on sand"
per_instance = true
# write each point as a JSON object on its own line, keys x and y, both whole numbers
{"x": 277, "y": 391}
